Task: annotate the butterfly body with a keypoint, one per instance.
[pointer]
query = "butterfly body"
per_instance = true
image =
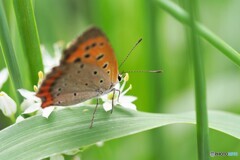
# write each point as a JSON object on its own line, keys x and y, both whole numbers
{"x": 88, "y": 69}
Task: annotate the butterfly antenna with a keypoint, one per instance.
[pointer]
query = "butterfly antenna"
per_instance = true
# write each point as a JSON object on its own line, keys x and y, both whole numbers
{"x": 130, "y": 52}
{"x": 139, "y": 71}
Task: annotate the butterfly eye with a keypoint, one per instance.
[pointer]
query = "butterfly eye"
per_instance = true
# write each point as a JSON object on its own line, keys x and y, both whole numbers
{"x": 119, "y": 77}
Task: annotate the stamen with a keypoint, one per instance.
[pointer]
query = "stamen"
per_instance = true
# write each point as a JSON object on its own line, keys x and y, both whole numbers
{"x": 128, "y": 89}
{"x": 35, "y": 88}
{"x": 40, "y": 77}
{"x": 126, "y": 78}
{"x": 110, "y": 95}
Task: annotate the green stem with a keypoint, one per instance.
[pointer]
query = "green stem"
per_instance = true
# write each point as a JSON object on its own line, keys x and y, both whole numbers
{"x": 29, "y": 36}
{"x": 12, "y": 118}
{"x": 184, "y": 17}
{"x": 9, "y": 55}
{"x": 200, "y": 87}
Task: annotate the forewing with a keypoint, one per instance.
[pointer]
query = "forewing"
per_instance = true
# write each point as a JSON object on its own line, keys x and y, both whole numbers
{"x": 88, "y": 69}
{"x": 93, "y": 47}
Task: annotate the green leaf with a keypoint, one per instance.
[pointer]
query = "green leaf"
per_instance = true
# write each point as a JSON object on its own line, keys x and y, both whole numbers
{"x": 203, "y": 31}
{"x": 200, "y": 85}
{"x": 10, "y": 57}
{"x": 67, "y": 129}
{"x": 29, "y": 36}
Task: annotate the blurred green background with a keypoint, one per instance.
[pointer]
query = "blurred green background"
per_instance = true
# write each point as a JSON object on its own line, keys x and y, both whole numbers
{"x": 165, "y": 46}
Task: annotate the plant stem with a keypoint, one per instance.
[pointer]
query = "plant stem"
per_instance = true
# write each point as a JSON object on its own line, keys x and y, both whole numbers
{"x": 29, "y": 36}
{"x": 200, "y": 87}
{"x": 184, "y": 17}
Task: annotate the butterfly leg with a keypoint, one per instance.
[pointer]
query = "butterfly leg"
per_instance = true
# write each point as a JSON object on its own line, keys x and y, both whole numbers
{"x": 119, "y": 92}
{"x": 114, "y": 92}
{"x": 93, "y": 116}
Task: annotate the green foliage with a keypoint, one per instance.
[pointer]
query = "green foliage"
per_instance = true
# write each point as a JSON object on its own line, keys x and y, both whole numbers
{"x": 184, "y": 17}
{"x": 29, "y": 36}
{"x": 200, "y": 86}
{"x": 165, "y": 46}
{"x": 9, "y": 54}
{"x": 69, "y": 129}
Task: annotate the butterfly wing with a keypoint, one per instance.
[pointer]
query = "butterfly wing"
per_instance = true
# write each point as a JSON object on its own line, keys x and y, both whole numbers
{"x": 88, "y": 69}
{"x": 93, "y": 47}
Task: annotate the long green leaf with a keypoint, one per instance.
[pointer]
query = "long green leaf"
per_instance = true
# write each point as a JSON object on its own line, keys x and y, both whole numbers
{"x": 29, "y": 36}
{"x": 200, "y": 87}
{"x": 9, "y": 55}
{"x": 38, "y": 137}
{"x": 212, "y": 38}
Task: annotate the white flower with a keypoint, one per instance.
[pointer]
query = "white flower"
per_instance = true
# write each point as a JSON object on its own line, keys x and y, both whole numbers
{"x": 124, "y": 101}
{"x": 31, "y": 104}
{"x": 7, "y": 105}
{"x": 49, "y": 61}
{"x": 3, "y": 76}
{"x": 47, "y": 111}
{"x": 19, "y": 119}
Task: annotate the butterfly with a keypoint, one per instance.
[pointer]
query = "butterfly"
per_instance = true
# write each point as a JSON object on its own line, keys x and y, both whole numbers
{"x": 87, "y": 69}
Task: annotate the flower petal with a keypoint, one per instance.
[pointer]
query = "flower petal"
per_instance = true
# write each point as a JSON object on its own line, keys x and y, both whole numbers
{"x": 29, "y": 95}
{"x": 129, "y": 105}
{"x": 50, "y": 61}
{"x": 4, "y": 76}
{"x": 47, "y": 111}
{"x": 117, "y": 86}
{"x": 26, "y": 103}
{"x": 124, "y": 92}
{"x": 104, "y": 97}
{"x": 107, "y": 106}
{"x": 127, "y": 99}
{"x": 34, "y": 107}
{"x": 19, "y": 119}
{"x": 122, "y": 86}
{"x": 7, "y": 105}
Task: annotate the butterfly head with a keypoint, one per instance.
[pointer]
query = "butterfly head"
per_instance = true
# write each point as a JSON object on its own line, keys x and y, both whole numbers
{"x": 123, "y": 76}
{"x": 120, "y": 77}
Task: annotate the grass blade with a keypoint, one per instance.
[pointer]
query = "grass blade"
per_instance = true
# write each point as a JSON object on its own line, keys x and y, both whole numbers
{"x": 200, "y": 87}
{"x": 184, "y": 17}
{"x": 69, "y": 129}
{"x": 9, "y": 54}
{"x": 29, "y": 36}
